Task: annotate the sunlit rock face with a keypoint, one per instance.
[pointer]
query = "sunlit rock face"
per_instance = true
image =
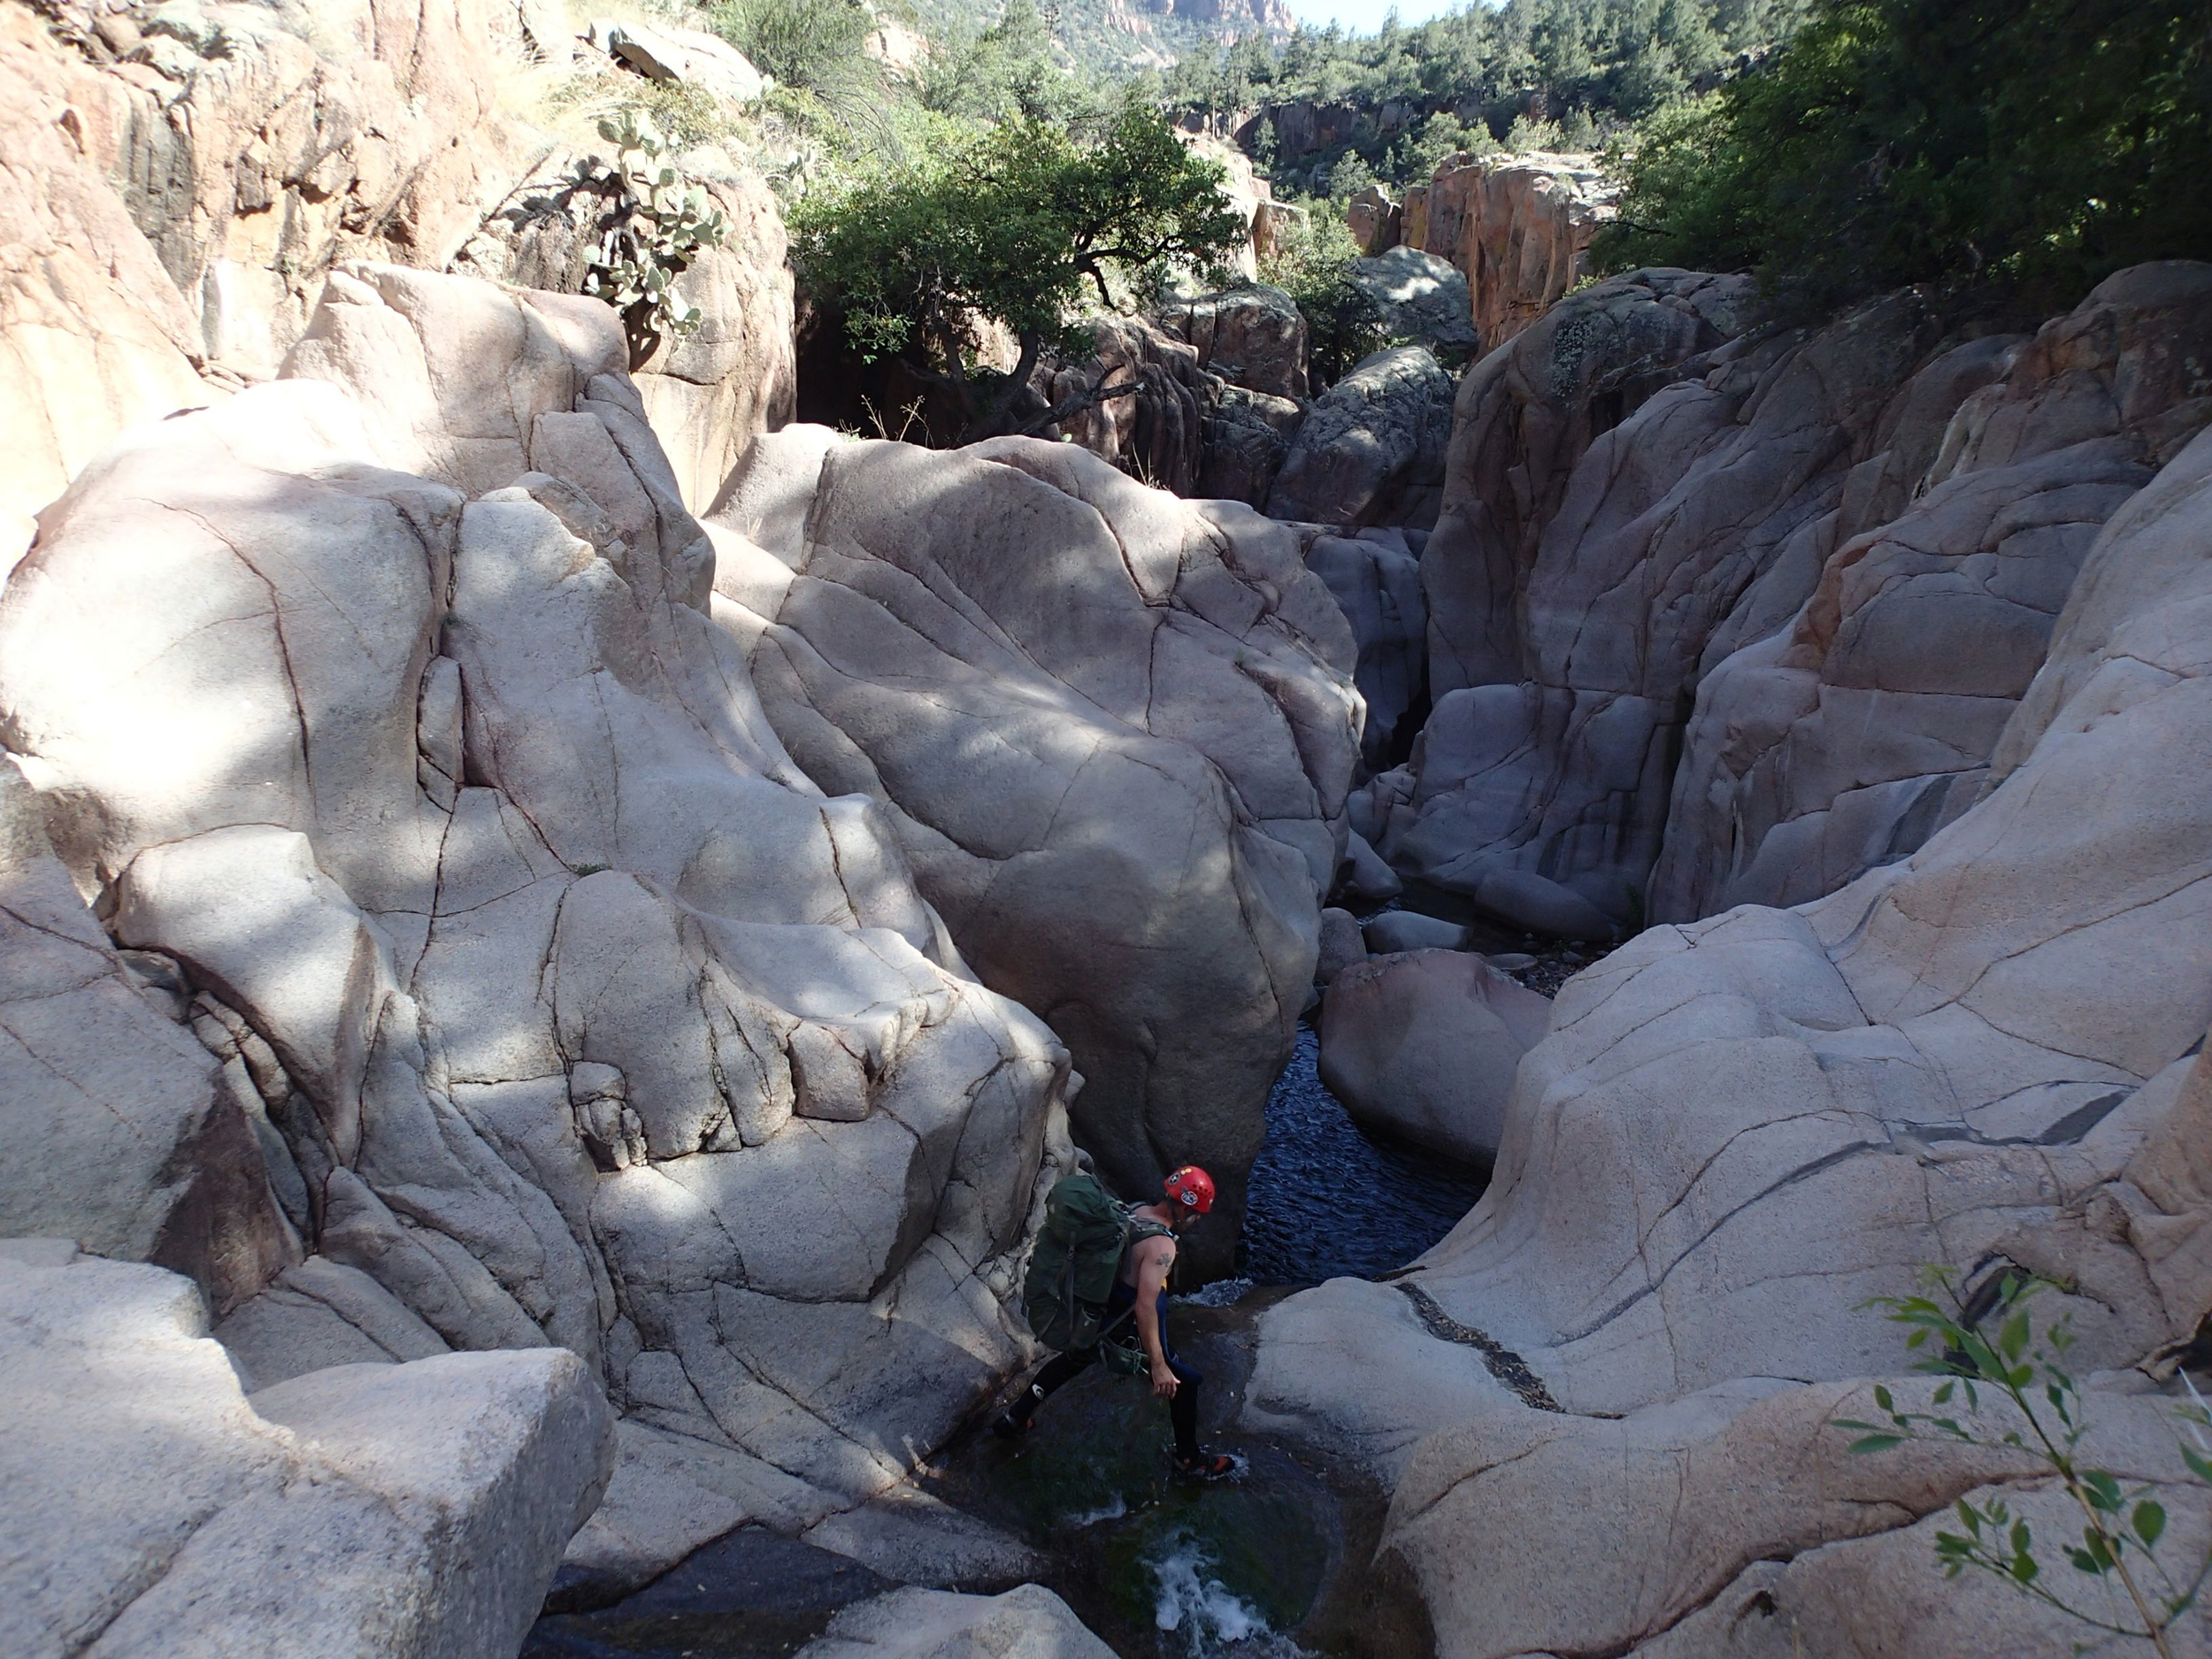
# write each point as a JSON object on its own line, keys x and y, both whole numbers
{"x": 1114, "y": 731}
{"x": 1988, "y": 1054}
{"x": 389, "y": 704}
{"x": 173, "y": 1507}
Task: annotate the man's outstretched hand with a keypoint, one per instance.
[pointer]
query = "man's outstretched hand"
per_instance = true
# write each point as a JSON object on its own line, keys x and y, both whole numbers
{"x": 1163, "y": 1381}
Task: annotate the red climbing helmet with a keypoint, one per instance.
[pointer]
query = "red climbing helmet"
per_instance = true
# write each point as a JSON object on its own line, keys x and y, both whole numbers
{"x": 1191, "y": 1188}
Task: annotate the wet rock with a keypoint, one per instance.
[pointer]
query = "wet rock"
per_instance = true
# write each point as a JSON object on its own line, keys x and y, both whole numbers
{"x": 1373, "y": 450}
{"x": 1424, "y": 1046}
{"x": 908, "y": 1536}
{"x": 366, "y": 1510}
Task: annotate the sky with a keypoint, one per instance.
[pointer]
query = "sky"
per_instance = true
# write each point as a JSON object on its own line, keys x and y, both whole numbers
{"x": 1365, "y": 17}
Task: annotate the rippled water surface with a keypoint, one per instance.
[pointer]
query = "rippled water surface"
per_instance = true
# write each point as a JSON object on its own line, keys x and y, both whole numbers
{"x": 1326, "y": 1201}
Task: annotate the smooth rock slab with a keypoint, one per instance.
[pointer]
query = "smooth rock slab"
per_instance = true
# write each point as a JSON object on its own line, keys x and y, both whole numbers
{"x": 1424, "y": 1046}
{"x": 376, "y": 1511}
{"x": 1113, "y": 730}
{"x": 1026, "y": 1623}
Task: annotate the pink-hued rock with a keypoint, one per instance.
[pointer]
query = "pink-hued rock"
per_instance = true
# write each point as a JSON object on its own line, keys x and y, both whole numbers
{"x": 393, "y": 701}
{"x": 1520, "y": 226}
{"x": 177, "y": 210}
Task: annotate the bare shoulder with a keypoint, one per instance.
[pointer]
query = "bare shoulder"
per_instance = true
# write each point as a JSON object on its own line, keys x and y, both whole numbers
{"x": 1160, "y": 1248}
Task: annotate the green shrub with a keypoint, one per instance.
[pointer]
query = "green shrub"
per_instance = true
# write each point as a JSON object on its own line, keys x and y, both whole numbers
{"x": 817, "y": 45}
{"x": 2041, "y": 1408}
{"x": 1017, "y": 226}
{"x": 649, "y": 224}
{"x": 2029, "y": 145}
{"x": 1345, "y": 319}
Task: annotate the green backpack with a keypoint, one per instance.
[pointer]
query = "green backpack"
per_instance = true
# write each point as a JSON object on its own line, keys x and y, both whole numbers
{"x": 1073, "y": 1269}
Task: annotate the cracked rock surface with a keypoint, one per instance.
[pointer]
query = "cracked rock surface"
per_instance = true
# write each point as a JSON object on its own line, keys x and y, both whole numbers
{"x": 170, "y": 1507}
{"x": 1113, "y": 731}
{"x": 1842, "y": 739}
{"x": 1720, "y": 615}
{"x": 391, "y": 702}
{"x": 1988, "y": 1054}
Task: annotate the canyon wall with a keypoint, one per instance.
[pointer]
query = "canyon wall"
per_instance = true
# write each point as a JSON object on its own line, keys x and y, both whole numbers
{"x": 175, "y": 183}
{"x": 1987, "y": 1052}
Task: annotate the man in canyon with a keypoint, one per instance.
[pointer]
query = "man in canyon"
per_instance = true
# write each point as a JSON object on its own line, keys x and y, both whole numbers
{"x": 1140, "y": 1291}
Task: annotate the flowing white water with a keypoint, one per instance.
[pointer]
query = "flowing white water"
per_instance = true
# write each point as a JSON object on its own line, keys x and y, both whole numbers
{"x": 1199, "y": 1614}
{"x": 1112, "y": 1510}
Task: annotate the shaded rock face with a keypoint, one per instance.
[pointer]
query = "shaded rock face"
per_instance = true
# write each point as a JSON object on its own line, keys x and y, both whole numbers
{"x": 1159, "y": 432}
{"x": 1842, "y": 739}
{"x": 146, "y": 1150}
{"x": 1219, "y": 380}
{"x": 1423, "y": 1046}
{"x": 392, "y": 702}
{"x": 1254, "y": 337}
{"x": 1375, "y": 578}
{"x": 1113, "y": 732}
{"x": 1701, "y": 520}
{"x": 416, "y": 1509}
{"x": 1518, "y": 227}
{"x": 1988, "y": 1054}
{"x": 1372, "y": 448}
{"x": 1423, "y": 299}
{"x": 1246, "y": 438}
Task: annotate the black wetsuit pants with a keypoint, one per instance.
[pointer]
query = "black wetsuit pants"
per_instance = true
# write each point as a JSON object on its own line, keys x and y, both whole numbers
{"x": 1063, "y": 1369}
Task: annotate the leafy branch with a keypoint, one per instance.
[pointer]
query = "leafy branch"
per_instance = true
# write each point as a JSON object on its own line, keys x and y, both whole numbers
{"x": 2122, "y": 1525}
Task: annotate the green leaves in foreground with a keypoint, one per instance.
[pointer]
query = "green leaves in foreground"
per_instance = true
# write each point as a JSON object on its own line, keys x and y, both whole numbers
{"x": 2040, "y": 1403}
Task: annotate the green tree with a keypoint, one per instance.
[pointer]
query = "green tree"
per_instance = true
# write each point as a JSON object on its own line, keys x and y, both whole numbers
{"x": 1314, "y": 263}
{"x": 816, "y": 45}
{"x": 1016, "y": 225}
{"x": 2036, "y": 145}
